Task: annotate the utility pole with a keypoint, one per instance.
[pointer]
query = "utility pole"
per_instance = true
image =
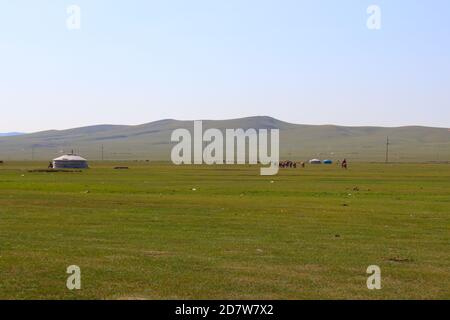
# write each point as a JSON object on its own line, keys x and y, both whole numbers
{"x": 387, "y": 150}
{"x": 32, "y": 153}
{"x": 103, "y": 153}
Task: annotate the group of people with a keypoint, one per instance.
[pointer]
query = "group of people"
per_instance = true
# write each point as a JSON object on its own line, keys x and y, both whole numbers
{"x": 293, "y": 164}
{"x": 288, "y": 164}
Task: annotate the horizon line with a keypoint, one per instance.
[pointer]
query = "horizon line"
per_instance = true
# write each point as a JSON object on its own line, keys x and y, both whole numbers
{"x": 15, "y": 133}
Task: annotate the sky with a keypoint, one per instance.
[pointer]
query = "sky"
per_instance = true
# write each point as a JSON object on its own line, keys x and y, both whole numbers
{"x": 137, "y": 61}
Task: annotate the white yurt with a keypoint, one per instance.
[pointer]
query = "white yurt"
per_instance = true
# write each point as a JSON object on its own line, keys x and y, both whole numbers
{"x": 315, "y": 161}
{"x": 70, "y": 161}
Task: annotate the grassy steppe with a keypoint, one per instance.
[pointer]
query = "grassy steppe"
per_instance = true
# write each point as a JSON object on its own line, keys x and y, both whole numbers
{"x": 158, "y": 231}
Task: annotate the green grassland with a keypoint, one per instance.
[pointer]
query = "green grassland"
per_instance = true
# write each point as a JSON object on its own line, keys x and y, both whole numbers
{"x": 158, "y": 231}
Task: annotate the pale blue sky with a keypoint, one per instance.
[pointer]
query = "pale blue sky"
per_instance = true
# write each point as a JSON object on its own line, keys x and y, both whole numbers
{"x": 301, "y": 61}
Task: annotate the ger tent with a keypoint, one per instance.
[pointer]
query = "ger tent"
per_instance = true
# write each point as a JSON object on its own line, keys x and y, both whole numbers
{"x": 71, "y": 161}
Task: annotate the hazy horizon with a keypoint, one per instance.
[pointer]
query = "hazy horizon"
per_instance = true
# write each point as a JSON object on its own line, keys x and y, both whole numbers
{"x": 13, "y": 133}
{"x": 306, "y": 62}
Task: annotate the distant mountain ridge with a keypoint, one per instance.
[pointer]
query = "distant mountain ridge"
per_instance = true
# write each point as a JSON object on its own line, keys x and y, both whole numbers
{"x": 297, "y": 141}
{"x": 10, "y": 134}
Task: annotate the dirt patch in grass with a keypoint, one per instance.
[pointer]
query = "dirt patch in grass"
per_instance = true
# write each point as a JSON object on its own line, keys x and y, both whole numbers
{"x": 53, "y": 170}
{"x": 399, "y": 259}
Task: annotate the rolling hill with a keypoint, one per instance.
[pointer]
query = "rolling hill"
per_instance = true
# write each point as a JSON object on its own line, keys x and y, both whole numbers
{"x": 151, "y": 141}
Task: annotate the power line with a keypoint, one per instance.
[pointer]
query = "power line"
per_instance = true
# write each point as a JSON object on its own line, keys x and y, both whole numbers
{"x": 387, "y": 149}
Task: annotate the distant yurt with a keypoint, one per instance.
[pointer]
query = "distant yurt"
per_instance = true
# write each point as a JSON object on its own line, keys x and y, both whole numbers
{"x": 327, "y": 161}
{"x": 315, "y": 161}
{"x": 70, "y": 161}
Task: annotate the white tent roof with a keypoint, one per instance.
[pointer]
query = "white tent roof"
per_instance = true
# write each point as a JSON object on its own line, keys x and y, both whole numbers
{"x": 70, "y": 157}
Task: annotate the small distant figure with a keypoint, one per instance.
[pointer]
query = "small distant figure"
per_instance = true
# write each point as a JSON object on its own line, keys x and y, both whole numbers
{"x": 50, "y": 165}
{"x": 344, "y": 164}
{"x": 303, "y": 164}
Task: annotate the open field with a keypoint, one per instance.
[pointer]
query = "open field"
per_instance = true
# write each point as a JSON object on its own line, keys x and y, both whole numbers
{"x": 146, "y": 233}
